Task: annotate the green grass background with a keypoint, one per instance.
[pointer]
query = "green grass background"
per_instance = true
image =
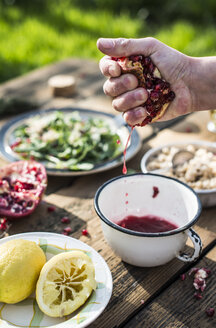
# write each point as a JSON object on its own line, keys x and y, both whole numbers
{"x": 35, "y": 33}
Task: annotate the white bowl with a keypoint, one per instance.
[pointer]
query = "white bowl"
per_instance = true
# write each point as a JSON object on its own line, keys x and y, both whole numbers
{"x": 207, "y": 196}
{"x": 133, "y": 195}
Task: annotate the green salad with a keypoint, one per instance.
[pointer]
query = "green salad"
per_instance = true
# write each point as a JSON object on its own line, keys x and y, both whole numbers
{"x": 66, "y": 141}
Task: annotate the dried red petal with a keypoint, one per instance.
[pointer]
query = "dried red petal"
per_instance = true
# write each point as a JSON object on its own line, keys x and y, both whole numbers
{"x": 183, "y": 276}
{"x": 155, "y": 192}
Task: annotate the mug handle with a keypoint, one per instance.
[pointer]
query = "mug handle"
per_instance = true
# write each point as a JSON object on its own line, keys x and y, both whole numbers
{"x": 195, "y": 238}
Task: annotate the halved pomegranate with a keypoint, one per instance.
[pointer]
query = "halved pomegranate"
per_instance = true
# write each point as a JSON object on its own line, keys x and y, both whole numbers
{"x": 149, "y": 77}
{"x": 22, "y": 185}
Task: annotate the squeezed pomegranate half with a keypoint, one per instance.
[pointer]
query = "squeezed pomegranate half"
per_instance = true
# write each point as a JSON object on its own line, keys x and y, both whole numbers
{"x": 149, "y": 77}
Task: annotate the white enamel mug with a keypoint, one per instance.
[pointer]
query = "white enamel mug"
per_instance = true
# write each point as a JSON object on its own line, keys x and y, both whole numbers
{"x": 133, "y": 195}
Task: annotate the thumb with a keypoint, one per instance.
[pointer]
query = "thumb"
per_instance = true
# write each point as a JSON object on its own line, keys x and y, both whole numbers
{"x": 125, "y": 47}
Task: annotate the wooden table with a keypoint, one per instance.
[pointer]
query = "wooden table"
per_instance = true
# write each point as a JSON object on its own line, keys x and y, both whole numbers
{"x": 142, "y": 297}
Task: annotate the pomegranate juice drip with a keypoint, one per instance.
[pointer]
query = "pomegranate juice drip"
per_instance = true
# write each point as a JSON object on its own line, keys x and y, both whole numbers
{"x": 124, "y": 170}
{"x": 147, "y": 223}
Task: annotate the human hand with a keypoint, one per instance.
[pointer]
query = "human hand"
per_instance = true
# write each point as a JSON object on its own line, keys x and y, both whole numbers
{"x": 128, "y": 98}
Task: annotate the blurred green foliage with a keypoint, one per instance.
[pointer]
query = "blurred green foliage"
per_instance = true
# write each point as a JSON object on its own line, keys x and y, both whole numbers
{"x": 37, "y": 32}
{"x": 156, "y": 10}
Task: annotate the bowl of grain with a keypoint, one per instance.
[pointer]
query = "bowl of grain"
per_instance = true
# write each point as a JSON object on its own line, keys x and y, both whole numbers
{"x": 199, "y": 172}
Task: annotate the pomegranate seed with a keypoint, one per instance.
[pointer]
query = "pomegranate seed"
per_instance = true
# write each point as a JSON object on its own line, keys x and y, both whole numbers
{"x": 171, "y": 96}
{"x": 118, "y": 142}
{"x": 160, "y": 86}
{"x": 135, "y": 58}
{"x": 65, "y": 219}
{"x": 151, "y": 68}
{"x": 150, "y": 109}
{"x": 155, "y": 192}
{"x": 51, "y": 208}
{"x": 154, "y": 95}
{"x": 154, "y": 113}
{"x": 17, "y": 188}
{"x": 67, "y": 230}
{"x": 84, "y": 232}
{"x": 3, "y": 227}
{"x": 16, "y": 143}
{"x": 149, "y": 84}
{"x": 183, "y": 276}
{"x": 210, "y": 312}
{"x": 198, "y": 296}
{"x": 146, "y": 61}
{"x": 4, "y": 221}
{"x": 147, "y": 120}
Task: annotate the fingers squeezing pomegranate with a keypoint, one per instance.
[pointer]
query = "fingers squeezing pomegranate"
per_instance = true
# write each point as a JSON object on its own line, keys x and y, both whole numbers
{"x": 149, "y": 77}
{"x": 21, "y": 188}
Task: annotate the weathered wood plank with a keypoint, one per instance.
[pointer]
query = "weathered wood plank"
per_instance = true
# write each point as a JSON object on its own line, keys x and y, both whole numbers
{"x": 177, "y": 307}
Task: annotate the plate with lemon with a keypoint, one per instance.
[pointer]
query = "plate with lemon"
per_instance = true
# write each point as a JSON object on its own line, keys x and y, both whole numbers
{"x": 51, "y": 280}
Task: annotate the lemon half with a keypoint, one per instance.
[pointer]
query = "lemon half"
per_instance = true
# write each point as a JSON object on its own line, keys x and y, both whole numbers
{"x": 20, "y": 264}
{"x": 65, "y": 283}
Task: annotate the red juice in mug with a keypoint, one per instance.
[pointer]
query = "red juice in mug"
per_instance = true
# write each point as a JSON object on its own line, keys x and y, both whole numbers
{"x": 146, "y": 223}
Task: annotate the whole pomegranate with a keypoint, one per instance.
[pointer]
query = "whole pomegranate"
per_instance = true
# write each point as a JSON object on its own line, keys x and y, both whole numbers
{"x": 149, "y": 77}
{"x": 22, "y": 185}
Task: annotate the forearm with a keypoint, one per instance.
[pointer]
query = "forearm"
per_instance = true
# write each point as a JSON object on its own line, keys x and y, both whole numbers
{"x": 202, "y": 83}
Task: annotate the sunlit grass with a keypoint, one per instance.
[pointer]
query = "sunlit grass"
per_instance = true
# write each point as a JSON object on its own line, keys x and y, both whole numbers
{"x": 190, "y": 39}
{"x": 28, "y": 42}
{"x": 31, "y": 39}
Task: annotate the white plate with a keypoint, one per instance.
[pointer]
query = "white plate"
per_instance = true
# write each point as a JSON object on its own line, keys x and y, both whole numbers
{"x": 27, "y": 314}
{"x": 117, "y": 124}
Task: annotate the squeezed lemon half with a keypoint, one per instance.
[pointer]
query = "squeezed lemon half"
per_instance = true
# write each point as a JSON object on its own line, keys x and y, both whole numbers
{"x": 65, "y": 283}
